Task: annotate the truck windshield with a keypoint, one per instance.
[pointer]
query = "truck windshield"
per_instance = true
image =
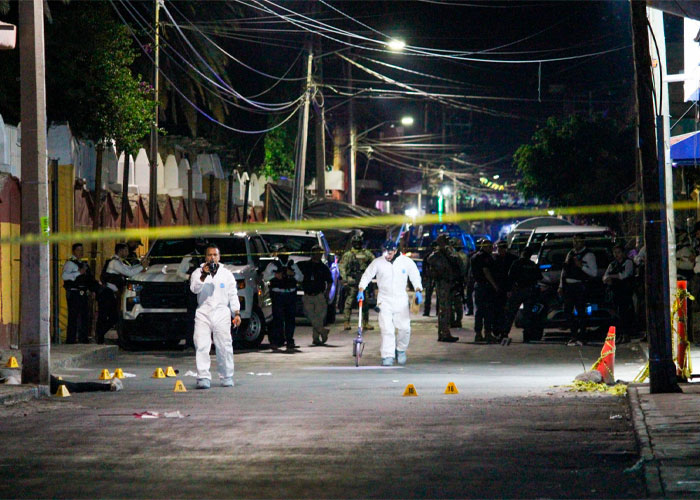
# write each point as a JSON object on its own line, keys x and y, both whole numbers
{"x": 171, "y": 251}
{"x": 301, "y": 244}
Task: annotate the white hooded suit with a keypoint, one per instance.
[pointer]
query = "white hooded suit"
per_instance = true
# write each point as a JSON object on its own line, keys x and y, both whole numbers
{"x": 217, "y": 302}
{"x": 392, "y": 300}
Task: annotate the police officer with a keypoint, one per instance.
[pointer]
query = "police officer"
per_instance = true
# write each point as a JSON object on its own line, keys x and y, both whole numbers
{"x": 132, "y": 257}
{"x": 352, "y": 266}
{"x": 427, "y": 280}
{"x": 317, "y": 284}
{"x": 113, "y": 277}
{"x": 442, "y": 264}
{"x": 283, "y": 275}
{"x": 580, "y": 266}
{"x": 619, "y": 276}
{"x": 461, "y": 270}
{"x": 524, "y": 275}
{"x": 78, "y": 281}
{"x": 485, "y": 290}
{"x": 503, "y": 260}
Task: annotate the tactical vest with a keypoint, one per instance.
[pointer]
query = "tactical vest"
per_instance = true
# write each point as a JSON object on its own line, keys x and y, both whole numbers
{"x": 81, "y": 282}
{"x": 572, "y": 270}
{"x": 117, "y": 280}
{"x": 286, "y": 282}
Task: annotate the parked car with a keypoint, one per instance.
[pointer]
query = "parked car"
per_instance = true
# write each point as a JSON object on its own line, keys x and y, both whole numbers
{"x": 549, "y": 311}
{"x": 299, "y": 243}
{"x": 520, "y": 232}
{"x": 158, "y": 306}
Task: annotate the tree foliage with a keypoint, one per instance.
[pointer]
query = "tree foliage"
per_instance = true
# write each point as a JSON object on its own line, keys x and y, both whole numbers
{"x": 279, "y": 153}
{"x": 101, "y": 98}
{"x": 577, "y": 161}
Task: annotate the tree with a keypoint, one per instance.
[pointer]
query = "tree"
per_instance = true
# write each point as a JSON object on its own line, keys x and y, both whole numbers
{"x": 279, "y": 153}
{"x": 577, "y": 161}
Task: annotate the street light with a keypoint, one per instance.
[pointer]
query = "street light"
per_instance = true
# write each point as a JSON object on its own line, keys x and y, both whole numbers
{"x": 397, "y": 45}
{"x": 407, "y": 121}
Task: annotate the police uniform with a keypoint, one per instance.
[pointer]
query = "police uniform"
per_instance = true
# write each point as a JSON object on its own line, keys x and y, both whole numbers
{"x": 524, "y": 275}
{"x": 77, "y": 287}
{"x": 620, "y": 276}
{"x": 317, "y": 279}
{"x": 353, "y": 264}
{"x": 283, "y": 292}
{"x": 573, "y": 283}
{"x": 427, "y": 280}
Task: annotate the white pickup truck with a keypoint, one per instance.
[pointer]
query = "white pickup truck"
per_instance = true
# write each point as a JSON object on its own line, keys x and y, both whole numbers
{"x": 157, "y": 305}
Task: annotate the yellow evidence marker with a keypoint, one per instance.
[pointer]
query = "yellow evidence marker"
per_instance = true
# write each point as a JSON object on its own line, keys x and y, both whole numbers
{"x": 62, "y": 391}
{"x": 451, "y": 388}
{"x": 104, "y": 375}
{"x": 118, "y": 373}
{"x": 158, "y": 373}
{"x": 410, "y": 391}
{"x": 170, "y": 372}
{"x": 12, "y": 363}
{"x": 179, "y": 387}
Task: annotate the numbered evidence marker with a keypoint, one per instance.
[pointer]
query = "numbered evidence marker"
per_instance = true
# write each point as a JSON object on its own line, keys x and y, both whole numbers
{"x": 410, "y": 391}
{"x": 170, "y": 372}
{"x": 159, "y": 373}
{"x": 451, "y": 388}
{"x": 179, "y": 387}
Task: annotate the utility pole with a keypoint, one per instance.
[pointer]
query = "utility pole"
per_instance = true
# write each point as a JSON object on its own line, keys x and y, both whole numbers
{"x": 34, "y": 285}
{"x": 153, "y": 187}
{"x": 662, "y": 369}
{"x": 352, "y": 178}
{"x": 320, "y": 133}
{"x": 300, "y": 170}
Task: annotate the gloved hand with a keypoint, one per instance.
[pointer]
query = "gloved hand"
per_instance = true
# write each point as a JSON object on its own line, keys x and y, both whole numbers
{"x": 419, "y": 297}
{"x": 361, "y": 295}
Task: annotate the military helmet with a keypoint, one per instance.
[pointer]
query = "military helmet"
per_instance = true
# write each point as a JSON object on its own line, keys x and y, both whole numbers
{"x": 483, "y": 242}
{"x": 356, "y": 241}
{"x": 443, "y": 238}
{"x": 456, "y": 243}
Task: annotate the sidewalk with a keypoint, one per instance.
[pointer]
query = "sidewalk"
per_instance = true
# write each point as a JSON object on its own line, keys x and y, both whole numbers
{"x": 62, "y": 356}
{"x": 668, "y": 432}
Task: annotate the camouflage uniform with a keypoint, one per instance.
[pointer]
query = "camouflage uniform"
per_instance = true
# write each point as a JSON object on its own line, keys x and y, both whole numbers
{"x": 461, "y": 271}
{"x": 352, "y": 265}
{"x": 442, "y": 263}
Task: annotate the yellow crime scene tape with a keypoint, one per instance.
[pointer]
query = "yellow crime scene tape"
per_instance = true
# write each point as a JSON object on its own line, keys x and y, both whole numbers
{"x": 334, "y": 223}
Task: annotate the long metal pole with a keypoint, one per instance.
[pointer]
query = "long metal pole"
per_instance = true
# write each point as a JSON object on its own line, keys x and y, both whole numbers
{"x": 352, "y": 178}
{"x": 298, "y": 199}
{"x": 662, "y": 369}
{"x": 35, "y": 277}
{"x": 153, "y": 188}
{"x": 55, "y": 262}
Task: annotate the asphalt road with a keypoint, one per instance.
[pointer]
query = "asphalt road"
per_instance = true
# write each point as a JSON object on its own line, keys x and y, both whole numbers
{"x": 311, "y": 425}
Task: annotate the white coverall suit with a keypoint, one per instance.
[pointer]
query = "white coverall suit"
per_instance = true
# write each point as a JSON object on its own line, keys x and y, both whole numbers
{"x": 392, "y": 300}
{"x": 217, "y": 302}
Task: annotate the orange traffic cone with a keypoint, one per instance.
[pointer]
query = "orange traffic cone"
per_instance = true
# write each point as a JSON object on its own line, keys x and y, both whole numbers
{"x": 606, "y": 362}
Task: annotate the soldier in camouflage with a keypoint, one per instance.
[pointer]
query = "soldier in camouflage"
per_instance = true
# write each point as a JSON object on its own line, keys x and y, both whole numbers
{"x": 442, "y": 263}
{"x": 352, "y": 266}
{"x": 461, "y": 271}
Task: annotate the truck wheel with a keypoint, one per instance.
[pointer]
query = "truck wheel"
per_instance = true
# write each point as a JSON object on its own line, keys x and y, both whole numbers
{"x": 252, "y": 331}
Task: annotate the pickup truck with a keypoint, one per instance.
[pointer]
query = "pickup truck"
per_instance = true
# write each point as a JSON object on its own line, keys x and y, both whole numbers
{"x": 157, "y": 306}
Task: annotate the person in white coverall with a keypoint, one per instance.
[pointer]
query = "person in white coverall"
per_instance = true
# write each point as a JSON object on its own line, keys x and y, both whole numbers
{"x": 393, "y": 270}
{"x": 217, "y": 302}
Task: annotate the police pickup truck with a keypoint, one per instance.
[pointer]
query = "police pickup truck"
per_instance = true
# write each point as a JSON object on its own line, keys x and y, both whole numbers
{"x": 157, "y": 305}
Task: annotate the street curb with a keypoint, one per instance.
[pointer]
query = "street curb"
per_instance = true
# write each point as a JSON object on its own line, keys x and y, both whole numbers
{"x": 652, "y": 471}
{"x": 103, "y": 353}
{"x": 26, "y": 393}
